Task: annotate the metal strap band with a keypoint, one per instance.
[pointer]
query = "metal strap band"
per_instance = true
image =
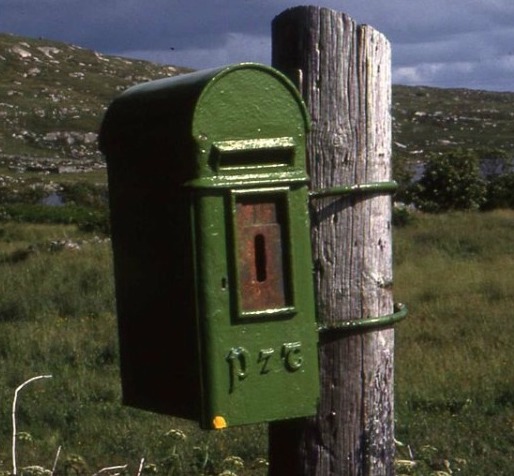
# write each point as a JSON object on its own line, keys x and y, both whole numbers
{"x": 363, "y": 188}
{"x": 400, "y": 312}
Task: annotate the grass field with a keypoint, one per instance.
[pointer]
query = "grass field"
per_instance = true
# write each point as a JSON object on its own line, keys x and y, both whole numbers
{"x": 454, "y": 353}
{"x": 454, "y": 375}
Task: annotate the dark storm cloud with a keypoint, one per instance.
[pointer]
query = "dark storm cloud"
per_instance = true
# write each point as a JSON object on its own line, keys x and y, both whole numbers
{"x": 116, "y": 25}
{"x": 448, "y": 43}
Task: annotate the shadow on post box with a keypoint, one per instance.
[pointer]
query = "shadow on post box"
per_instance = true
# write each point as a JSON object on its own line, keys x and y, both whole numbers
{"x": 212, "y": 260}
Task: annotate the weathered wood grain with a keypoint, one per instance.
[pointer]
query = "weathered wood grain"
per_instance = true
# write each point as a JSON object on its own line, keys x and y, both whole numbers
{"x": 344, "y": 74}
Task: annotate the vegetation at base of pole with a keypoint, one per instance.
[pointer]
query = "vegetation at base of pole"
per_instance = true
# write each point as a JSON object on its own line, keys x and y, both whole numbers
{"x": 454, "y": 385}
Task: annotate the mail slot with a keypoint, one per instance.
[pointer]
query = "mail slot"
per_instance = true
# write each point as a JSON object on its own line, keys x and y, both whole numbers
{"x": 210, "y": 234}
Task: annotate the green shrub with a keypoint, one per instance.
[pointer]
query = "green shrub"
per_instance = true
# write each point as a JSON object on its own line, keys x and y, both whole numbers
{"x": 450, "y": 182}
{"x": 87, "y": 219}
{"x": 84, "y": 194}
{"x": 402, "y": 216}
{"x": 403, "y": 175}
{"x": 21, "y": 190}
{"x": 500, "y": 192}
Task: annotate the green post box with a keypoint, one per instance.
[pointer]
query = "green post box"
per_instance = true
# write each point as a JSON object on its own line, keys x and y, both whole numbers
{"x": 212, "y": 259}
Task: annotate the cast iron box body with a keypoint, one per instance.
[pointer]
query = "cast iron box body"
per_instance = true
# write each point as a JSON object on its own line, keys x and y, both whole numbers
{"x": 212, "y": 259}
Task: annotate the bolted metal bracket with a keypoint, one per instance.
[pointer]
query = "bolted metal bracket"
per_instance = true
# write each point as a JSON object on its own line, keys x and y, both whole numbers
{"x": 400, "y": 312}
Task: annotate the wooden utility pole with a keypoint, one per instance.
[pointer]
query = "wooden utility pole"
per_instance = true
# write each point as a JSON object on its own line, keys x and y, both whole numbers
{"x": 344, "y": 74}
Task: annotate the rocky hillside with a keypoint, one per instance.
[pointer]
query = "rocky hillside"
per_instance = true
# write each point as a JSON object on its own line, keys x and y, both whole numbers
{"x": 428, "y": 120}
{"x": 53, "y": 96}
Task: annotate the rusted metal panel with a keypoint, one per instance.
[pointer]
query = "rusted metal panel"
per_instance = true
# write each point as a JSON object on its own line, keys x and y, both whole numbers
{"x": 261, "y": 263}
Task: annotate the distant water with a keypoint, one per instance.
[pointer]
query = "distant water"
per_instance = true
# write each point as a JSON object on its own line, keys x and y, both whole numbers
{"x": 53, "y": 200}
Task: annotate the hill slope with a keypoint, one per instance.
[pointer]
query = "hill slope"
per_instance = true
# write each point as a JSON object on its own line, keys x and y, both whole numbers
{"x": 432, "y": 120}
{"x": 53, "y": 96}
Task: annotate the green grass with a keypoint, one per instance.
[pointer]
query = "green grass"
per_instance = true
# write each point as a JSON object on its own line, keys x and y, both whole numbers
{"x": 79, "y": 408}
{"x": 33, "y": 285}
{"x": 454, "y": 377}
{"x": 57, "y": 317}
{"x": 455, "y": 381}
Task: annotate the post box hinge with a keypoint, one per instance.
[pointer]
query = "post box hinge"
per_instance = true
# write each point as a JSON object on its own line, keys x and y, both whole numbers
{"x": 357, "y": 189}
{"x": 400, "y": 312}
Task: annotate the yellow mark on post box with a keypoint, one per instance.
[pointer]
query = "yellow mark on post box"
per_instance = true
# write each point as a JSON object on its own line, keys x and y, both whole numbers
{"x": 219, "y": 423}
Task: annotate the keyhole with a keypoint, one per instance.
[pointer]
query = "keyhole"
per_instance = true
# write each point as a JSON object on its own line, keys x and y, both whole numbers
{"x": 260, "y": 258}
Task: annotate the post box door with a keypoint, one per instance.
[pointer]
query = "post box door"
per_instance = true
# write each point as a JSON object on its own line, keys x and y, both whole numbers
{"x": 263, "y": 267}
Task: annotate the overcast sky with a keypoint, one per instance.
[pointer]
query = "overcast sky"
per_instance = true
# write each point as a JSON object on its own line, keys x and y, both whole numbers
{"x": 445, "y": 43}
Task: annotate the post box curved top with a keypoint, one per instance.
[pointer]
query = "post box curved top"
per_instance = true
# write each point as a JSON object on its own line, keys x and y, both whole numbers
{"x": 240, "y": 107}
